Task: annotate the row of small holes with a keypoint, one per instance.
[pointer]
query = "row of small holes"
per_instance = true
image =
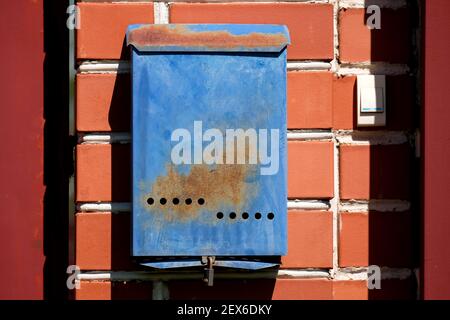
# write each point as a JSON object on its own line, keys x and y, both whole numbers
{"x": 245, "y": 215}
{"x": 176, "y": 201}
{"x": 201, "y": 201}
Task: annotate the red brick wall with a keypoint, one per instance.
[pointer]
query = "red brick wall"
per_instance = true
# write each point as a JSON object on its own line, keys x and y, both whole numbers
{"x": 351, "y": 199}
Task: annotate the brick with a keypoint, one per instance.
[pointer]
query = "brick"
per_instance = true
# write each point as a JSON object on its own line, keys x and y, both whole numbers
{"x": 391, "y": 241}
{"x": 310, "y": 169}
{"x": 303, "y": 289}
{"x": 310, "y": 240}
{"x": 344, "y": 102}
{"x": 355, "y": 175}
{"x": 376, "y": 238}
{"x": 400, "y": 103}
{"x": 103, "y": 27}
{"x": 391, "y": 289}
{"x": 103, "y": 241}
{"x": 391, "y": 43}
{"x": 103, "y": 173}
{"x": 350, "y": 290}
{"x": 375, "y": 172}
{"x": 103, "y": 102}
{"x": 354, "y": 239}
{"x": 269, "y": 289}
{"x": 106, "y": 290}
{"x": 310, "y": 25}
{"x": 93, "y": 290}
{"x": 309, "y": 100}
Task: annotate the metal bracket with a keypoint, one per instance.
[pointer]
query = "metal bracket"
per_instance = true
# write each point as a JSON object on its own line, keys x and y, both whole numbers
{"x": 209, "y": 271}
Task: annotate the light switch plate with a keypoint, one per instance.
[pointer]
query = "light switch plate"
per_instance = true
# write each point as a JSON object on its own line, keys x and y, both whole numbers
{"x": 371, "y": 100}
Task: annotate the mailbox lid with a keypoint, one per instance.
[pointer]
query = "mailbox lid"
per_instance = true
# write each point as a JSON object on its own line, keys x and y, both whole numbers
{"x": 208, "y": 37}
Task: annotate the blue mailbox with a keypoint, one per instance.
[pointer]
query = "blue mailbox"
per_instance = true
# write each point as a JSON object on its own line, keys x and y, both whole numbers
{"x": 208, "y": 145}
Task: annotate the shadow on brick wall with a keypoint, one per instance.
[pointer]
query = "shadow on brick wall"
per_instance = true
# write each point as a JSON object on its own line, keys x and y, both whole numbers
{"x": 120, "y": 121}
{"x": 119, "y": 116}
{"x": 394, "y": 170}
{"x": 58, "y": 146}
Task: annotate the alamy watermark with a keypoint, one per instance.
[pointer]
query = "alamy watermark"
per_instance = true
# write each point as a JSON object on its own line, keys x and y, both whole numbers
{"x": 72, "y": 280}
{"x": 373, "y": 277}
{"x": 233, "y": 146}
{"x": 73, "y": 21}
{"x": 374, "y": 20}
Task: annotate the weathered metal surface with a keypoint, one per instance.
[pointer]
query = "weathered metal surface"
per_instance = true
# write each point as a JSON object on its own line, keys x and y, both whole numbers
{"x": 250, "y": 265}
{"x": 174, "y": 264}
{"x": 191, "y": 37}
{"x": 175, "y": 206}
{"x": 239, "y": 264}
{"x": 201, "y": 182}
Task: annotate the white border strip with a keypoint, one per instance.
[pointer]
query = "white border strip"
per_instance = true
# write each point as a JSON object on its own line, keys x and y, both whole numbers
{"x": 104, "y": 138}
{"x": 161, "y": 12}
{"x": 361, "y": 273}
{"x": 228, "y": 1}
{"x": 373, "y": 68}
{"x": 351, "y": 274}
{"x": 375, "y": 205}
{"x": 297, "y": 135}
{"x": 104, "y": 207}
{"x": 121, "y": 66}
{"x": 171, "y": 275}
{"x": 308, "y": 205}
{"x": 285, "y": 273}
{"x": 125, "y": 137}
{"x": 126, "y": 206}
{"x": 334, "y": 202}
{"x": 335, "y": 206}
{"x": 372, "y": 137}
{"x": 341, "y": 274}
{"x": 308, "y": 66}
{"x": 336, "y": 52}
{"x": 391, "y": 4}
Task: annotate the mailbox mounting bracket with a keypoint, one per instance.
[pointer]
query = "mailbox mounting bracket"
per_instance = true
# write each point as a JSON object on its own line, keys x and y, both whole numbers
{"x": 209, "y": 271}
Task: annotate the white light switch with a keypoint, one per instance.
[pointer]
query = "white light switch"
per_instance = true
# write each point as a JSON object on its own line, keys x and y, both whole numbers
{"x": 371, "y": 100}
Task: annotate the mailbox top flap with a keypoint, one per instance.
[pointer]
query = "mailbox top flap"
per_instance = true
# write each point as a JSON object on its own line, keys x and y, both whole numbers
{"x": 208, "y": 37}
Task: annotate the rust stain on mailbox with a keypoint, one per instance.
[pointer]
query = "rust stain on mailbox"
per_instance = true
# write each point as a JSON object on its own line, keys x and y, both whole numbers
{"x": 181, "y": 35}
{"x": 217, "y": 187}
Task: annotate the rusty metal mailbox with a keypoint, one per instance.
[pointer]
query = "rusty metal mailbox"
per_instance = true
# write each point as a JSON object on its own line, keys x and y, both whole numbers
{"x": 208, "y": 144}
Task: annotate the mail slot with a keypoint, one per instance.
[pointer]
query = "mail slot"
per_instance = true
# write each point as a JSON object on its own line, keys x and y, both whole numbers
{"x": 208, "y": 145}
